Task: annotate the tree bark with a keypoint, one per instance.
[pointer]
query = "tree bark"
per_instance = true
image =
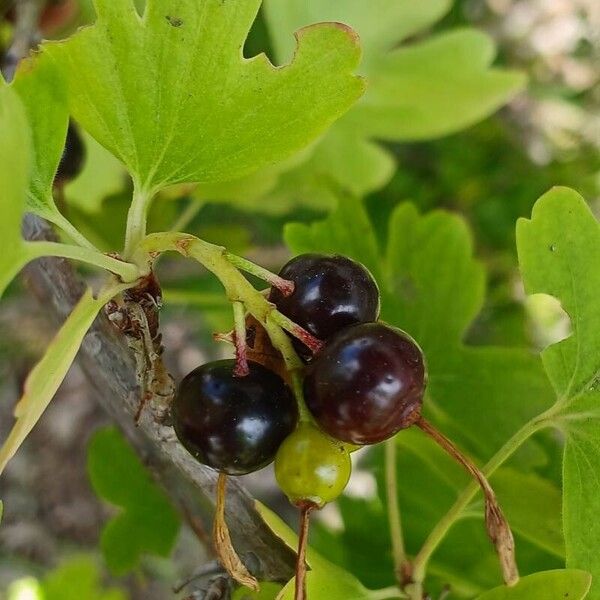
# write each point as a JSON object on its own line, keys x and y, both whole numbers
{"x": 110, "y": 367}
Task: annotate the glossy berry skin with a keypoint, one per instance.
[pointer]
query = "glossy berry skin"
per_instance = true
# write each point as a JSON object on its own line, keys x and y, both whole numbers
{"x": 73, "y": 156}
{"x": 233, "y": 424}
{"x": 366, "y": 384}
{"x": 311, "y": 467}
{"x": 330, "y": 293}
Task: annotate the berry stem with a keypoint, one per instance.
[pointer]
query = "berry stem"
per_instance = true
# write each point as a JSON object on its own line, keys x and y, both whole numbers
{"x": 309, "y": 340}
{"x": 497, "y": 526}
{"x": 401, "y": 566}
{"x": 300, "y": 586}
{"x": 285, "y": 286}
{"x": 303, "y": 414}
{"x": 239, "y": 338}
{"x": 126, "y": 271}
{"x": 226, "y": 553}
{"x": 237, "y": 287}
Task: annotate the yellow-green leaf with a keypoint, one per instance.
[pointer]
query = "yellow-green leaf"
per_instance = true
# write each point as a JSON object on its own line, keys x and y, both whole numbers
{"x": 45, "y": 378}
{"x": 172, "y": 96}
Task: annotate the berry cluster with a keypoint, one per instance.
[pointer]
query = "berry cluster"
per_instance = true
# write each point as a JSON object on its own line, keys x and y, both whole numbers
{"x": 363, "y": 386}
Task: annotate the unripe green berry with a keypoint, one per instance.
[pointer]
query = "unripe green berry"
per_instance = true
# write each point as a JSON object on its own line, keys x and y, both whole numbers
{"x": 312, "y": 467}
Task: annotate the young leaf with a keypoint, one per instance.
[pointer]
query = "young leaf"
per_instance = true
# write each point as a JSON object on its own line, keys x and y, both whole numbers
{"x": 200, "y": 111}
{"x": 418, "y": 91}
{"x": 14, "y": 176}
{"x": 559, "y": 254}
{"x": 547, "y": 585}
{"x": 148, "y": 523}
{"x": 44, "y": 97}
{"x": 324, "y": 581}
{"x": 47, "y": 375}
{"x": 433, "y": 288}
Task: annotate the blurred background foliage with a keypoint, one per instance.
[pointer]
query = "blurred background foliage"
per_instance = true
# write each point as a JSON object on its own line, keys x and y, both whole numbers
{"x": 490, "y": 172}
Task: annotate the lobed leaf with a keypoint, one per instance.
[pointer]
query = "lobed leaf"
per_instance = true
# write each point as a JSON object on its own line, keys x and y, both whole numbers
{"x": 434, "y": 88}
{"x": 201, "y": 112}
{"x": 148, "y": 523}
{"x": 559, "y": 254}
{"x": 415, "y": 91}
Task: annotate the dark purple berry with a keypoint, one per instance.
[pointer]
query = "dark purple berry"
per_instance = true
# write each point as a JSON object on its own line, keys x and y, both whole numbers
{"x": 330, "y": 293}
{"x": 233, "y": 424}
{"x": 366, "y": 384}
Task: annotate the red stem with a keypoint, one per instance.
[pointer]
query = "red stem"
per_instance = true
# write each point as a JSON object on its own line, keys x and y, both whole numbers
{"x": 300, "y": 590}
{"x": 497, "y": 526}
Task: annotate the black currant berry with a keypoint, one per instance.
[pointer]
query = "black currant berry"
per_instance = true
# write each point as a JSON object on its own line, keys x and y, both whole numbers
{"x": 233, "y": 424}
{"x": 71, "y": 161}
{"x": 366, "y": 383}
{"x": 330, "y": 293}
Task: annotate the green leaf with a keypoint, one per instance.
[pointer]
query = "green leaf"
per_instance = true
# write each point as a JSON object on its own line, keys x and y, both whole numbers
{"x": 44, "y": 97}
{"x": 78, "y": 578}
{"x": 14, "y": 175}
{"x": 324, "y": 580}
{"x": 45, "y": 378}
{"x": 416, "y": 91}
{"x": 201, "y": 111}
{"x": 434, "y": 88}
{"x": 559, "y": 254}
{"x": 148, "y": 523}
{"x": 433, "y": 288}
{"x": 547, "y": 585}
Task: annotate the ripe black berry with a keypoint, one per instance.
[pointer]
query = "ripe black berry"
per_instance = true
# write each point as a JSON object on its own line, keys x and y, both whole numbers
{"x": 330, "y": 293}
{"x": 233, "y": 424}
{"x": 71, "y": 161}
{"x": 366, "y": 384}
